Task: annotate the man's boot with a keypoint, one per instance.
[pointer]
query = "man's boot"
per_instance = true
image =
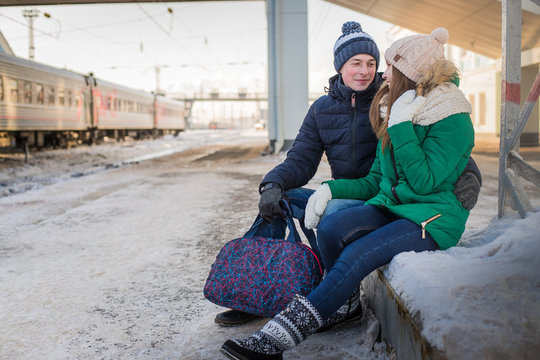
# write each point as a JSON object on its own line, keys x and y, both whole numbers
{"x": 234, "y": 318}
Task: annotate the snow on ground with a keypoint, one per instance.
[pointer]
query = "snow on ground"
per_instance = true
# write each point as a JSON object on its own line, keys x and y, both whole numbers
{"x": 111, "y": 265}
{"x": 104, "y": 255}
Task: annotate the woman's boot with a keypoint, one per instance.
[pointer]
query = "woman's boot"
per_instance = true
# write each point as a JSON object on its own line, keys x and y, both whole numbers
{"x": 352, "y": 309}
{"x": 286, "y": 330}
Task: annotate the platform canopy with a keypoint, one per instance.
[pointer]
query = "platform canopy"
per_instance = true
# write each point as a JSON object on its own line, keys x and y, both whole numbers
{"x": 473, "y": 24}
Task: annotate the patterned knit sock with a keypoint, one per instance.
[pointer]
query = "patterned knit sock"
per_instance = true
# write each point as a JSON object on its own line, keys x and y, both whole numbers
{"x": 290, "y": 327}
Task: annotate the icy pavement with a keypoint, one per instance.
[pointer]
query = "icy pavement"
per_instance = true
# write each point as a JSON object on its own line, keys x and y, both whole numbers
{"x": 111, "y": 265}
{"x": 51, "y": 166}
{"x": 104, "y": 255}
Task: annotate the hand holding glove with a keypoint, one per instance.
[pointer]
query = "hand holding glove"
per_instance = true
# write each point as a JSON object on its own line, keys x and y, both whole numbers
{"x": 467, "y": 189}
{"x": 405, "y": 107}
{"x": 316, "y": 205}
{"x": 269, "y": 206}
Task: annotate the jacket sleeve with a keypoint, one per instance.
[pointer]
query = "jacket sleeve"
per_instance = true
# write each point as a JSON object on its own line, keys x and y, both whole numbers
{"x": 363, "y": 188}
{"x": 302, "y": 159}
{"x": 428, "y": 164}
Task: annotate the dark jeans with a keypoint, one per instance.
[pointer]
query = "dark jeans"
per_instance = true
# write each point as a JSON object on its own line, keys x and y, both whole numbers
{"x": 355, "y": 241}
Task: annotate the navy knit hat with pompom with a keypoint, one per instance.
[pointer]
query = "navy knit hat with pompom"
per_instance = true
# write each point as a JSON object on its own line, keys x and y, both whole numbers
{"x": 353, "y": 41}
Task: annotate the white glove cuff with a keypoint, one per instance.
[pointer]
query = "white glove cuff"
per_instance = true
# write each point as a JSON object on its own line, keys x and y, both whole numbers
{"x": 322, "y": 196}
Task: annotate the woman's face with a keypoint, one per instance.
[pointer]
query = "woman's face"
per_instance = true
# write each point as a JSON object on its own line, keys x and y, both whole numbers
{"x": 388, "y": 73}
{"x": 359, "y": 71}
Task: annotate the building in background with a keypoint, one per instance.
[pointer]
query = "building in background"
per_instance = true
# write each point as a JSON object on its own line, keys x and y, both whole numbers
{"x": 481, "y": 83}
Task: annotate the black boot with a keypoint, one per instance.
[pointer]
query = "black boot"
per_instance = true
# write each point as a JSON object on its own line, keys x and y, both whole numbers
{"x": 234, "y": 318}
{"x": 290, "y": 327}
{"x": 351, "y": 310}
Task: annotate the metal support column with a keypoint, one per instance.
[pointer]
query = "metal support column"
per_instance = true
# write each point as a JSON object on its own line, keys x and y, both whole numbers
{"x": 511, "y": 165}
{"x": 287, "y": 71}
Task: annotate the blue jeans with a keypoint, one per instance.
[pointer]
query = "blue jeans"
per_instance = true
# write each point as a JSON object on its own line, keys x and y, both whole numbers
{"x": 353, "y": 243}
{"x": 298, "y": 199}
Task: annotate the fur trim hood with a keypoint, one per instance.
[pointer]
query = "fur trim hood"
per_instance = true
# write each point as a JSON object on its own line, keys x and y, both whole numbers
{"x": 443, "y": 98}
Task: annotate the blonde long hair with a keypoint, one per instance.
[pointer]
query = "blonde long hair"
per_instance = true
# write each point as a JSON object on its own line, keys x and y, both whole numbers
{"x": 440, "y": 72}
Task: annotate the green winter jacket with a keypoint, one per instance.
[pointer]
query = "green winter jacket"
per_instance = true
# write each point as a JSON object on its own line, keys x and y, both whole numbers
{"x": 428, "y": 155}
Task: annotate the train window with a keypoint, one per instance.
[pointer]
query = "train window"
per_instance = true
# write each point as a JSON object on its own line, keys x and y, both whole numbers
{"x": 50, "y": 97}
{"x": 108, "y": 103}
{"x": 27, "y": 92}
{"x": 61, "y": 97}
{"x": 69, "y": 99}
{"x": 1, "y": 88}
{"x": 14, "y": 91}
{"x": 40, "y": 94}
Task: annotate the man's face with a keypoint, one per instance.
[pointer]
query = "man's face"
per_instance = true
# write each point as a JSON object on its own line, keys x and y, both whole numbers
{"x": 359, "y": 71}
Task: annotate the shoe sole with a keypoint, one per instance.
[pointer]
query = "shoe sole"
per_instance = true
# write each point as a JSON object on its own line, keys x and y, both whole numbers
{"x": 248, "y": 318}
{"x": 236, "y": 323}
{"x": 231, "y": 354}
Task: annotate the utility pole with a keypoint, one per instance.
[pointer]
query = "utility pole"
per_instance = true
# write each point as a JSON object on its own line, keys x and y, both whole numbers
{"x": 31, "y": 14}
{"x": 157, "y": 69}
{"x": 158, "y": 75}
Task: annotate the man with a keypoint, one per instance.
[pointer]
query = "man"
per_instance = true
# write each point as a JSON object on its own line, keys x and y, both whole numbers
{"x": 336, "y": 124}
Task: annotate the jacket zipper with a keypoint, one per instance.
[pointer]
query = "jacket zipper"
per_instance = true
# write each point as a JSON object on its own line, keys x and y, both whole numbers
{"x": 353, "y": 134}
{"x": 397, "y": 177}
{"x": 424, "y": 223}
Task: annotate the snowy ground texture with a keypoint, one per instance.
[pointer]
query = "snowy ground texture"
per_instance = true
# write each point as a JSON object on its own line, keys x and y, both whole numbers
{"x": 104, "y": 251}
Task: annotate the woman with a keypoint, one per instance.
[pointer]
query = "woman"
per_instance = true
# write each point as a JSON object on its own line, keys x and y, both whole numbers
{"x": 425, "y": 141}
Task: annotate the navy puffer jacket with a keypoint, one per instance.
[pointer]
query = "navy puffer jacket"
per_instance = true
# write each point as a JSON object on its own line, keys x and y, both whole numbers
{"x": 333, "y": 126}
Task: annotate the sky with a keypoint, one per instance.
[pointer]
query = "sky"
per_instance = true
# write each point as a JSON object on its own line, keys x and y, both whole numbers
{"x": 197, "y": 46}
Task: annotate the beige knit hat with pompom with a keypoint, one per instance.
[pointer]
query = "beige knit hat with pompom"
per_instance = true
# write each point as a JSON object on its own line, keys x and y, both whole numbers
{"x": 413, "y": 54}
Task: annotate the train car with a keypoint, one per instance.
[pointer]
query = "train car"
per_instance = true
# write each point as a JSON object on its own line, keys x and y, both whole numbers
{"x": 37, "y": 100}
{"x": 41, "y": 105}
{"x": 121, "y": 108}
{"x": 169, "y": 115}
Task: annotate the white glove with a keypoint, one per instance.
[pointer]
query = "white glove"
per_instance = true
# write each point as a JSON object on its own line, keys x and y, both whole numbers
{"x": 316, "y": 204}
{"x": 382, "y": 111}
{"x": 405, "y": 107}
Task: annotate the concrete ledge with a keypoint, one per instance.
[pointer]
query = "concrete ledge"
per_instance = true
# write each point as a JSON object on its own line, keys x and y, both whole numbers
{"x": 398, "y": 327}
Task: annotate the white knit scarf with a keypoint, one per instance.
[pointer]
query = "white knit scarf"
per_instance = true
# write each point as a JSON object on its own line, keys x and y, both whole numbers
{"x": 443, "y": 101}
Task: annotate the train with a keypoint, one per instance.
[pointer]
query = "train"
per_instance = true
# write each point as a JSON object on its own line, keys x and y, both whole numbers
{"x": 42, "y": 106}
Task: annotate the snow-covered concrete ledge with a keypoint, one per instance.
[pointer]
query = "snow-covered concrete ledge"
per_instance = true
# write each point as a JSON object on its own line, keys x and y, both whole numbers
{"x": 479, "y": 300}
{"x": 398, "y": 327}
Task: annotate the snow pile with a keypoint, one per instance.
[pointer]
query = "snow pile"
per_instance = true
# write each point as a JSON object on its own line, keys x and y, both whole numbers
{"x": 480, "y": 299}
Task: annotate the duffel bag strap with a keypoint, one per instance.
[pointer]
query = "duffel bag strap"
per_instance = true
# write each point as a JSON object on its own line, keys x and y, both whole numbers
{"x": 293, "y": 236}
{"x": 276, "y": 230}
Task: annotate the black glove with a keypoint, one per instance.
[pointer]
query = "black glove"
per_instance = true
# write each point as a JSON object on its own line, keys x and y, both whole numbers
{"x": 269, "y": 203}
{"x": 467, "y": 189}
